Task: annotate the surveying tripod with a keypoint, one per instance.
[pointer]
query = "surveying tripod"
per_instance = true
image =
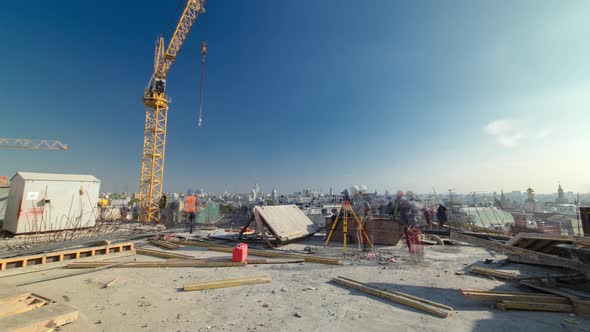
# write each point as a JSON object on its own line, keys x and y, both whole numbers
{"x": 346, "y": 206}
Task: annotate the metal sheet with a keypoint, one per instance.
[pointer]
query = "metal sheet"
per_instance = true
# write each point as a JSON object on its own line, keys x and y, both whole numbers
{"x": 286, "y": 222}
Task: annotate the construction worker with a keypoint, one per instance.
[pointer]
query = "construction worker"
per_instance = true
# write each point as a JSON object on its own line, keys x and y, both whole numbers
{"x": 103, "y": 203}
{"x": 162, "y": 205}
{"x": 363, "y": 210}
{"x": 190, "y": 207}
{"x": 402, "y": 212}
{"x": 441, "y": 215}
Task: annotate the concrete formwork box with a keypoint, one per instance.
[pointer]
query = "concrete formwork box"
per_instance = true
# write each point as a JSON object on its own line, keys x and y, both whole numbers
{"x": 44, "y": 202}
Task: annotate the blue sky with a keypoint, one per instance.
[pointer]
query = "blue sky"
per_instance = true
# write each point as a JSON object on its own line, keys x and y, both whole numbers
{"x": 476, "y": 96}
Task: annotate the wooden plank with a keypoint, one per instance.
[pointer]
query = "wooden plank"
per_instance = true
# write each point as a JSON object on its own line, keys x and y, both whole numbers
{"x": 164, "y": 244}
{"x": 492, "y": 296}
{"x": 161, "y": 254}
{"x": 538, "y": 236}
{"x": 103, "y": 267}
{"x": 523, "y": 255}
{"x": 22, "y": 261}
{"x": 582, "y": 240}
{"x": 398, "y": 297}
{"x": 175, "y": 263}
{"x": 12, "y": 294}
{"x": 110, "y": 283}
{"x": 20, "y": 306}
{"x": 264, "y": 253}
{"x": 532, "y": 306}
{"x": 274, "y": 260}
{"x": 227, "y": 283}
{"x": 494, "y": 273}
{"x": 41, "y": 319}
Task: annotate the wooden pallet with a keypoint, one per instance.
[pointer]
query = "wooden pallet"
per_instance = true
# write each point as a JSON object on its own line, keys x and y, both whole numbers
{"x": 27, "y": 312}
{"x": 60, "y": 256}
{"x": 538, "y": 242}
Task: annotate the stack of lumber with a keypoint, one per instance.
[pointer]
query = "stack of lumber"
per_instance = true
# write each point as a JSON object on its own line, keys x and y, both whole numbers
{"x": 25, "y": 311}
{"x": 525, "y": 255}
{"x": 521, "y": 300}
{"x": 415, "y": 302}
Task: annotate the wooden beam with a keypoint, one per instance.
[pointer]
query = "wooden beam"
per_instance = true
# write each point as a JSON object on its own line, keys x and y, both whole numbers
{"x": 227, "y": 283}
{"x": 161, "y": 254}
{"x": 532, "y": 306}
{"x": 538, "y": 236}
{"x": 523, "y": 255}
{"x": 264, "y": 253}
{"x": 40, "y": 319}
{"x": 493, "y": 296}
{"x": 175, "y": 263}
{"x": 164, "y": 244}
{"x": 494, "y": 273}
{"x": 434, "y": 308}
{"x": 103, "y": 267}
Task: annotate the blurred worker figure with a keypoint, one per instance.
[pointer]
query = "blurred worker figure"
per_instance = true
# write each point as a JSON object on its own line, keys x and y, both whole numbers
{"x": 402, "y": 212}
{"x": 364, "y": 211}
{"x": 162, "y": 205}
{"x": 103, "y": 203}
{"x": 441, "y": 215}
{"x": 174, "y": 208}
{"x": 190, "y": 207}
{"x": 428, "y": 214}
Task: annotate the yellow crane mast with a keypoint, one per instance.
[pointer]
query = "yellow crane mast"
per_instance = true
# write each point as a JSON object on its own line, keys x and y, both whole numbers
{"x": 156, "y": 114}
{"x": 31, "y": 144}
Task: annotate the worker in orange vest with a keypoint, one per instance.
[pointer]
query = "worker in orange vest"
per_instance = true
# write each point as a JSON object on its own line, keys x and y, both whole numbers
{"x": 191, "y": 207}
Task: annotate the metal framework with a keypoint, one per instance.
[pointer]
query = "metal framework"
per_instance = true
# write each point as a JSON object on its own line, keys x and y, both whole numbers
{"x": 156, "y": 115}
{"x": 31, "y": 144}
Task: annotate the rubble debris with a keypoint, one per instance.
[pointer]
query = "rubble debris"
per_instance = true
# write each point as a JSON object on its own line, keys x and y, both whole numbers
{"x": 398, "y": 297}
{"x": 228, "y": 283}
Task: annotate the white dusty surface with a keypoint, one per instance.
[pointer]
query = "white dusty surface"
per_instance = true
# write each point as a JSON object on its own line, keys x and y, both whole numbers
{"x": 152, "y": 299}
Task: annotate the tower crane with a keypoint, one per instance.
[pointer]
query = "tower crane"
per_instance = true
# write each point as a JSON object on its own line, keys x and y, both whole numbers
{"x": 156, "y": 115}
{"x": 31, "y": 144}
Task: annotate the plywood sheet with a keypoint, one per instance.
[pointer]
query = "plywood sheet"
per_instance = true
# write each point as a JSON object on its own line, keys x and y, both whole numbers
{"x": 286, "y": 222}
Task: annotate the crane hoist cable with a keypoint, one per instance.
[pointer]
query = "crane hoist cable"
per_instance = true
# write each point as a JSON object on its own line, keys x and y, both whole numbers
{"x": 203, "y": 52}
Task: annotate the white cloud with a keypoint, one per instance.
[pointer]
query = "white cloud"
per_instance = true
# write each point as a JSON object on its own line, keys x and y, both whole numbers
{"x": 510, "y": 132}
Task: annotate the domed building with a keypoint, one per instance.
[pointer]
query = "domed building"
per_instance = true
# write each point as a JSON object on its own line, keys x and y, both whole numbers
{"x": 531, "y": 204}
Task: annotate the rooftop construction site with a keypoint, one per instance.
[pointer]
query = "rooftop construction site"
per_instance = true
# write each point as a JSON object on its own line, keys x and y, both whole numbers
{"x": 274, "y": 233}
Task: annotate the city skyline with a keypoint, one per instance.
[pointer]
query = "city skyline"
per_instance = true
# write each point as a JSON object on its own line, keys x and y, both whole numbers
{"x": 475, "y": 96}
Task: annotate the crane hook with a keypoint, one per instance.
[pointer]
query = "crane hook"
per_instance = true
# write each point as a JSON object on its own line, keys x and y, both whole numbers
{"x": 203, "y": 52}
